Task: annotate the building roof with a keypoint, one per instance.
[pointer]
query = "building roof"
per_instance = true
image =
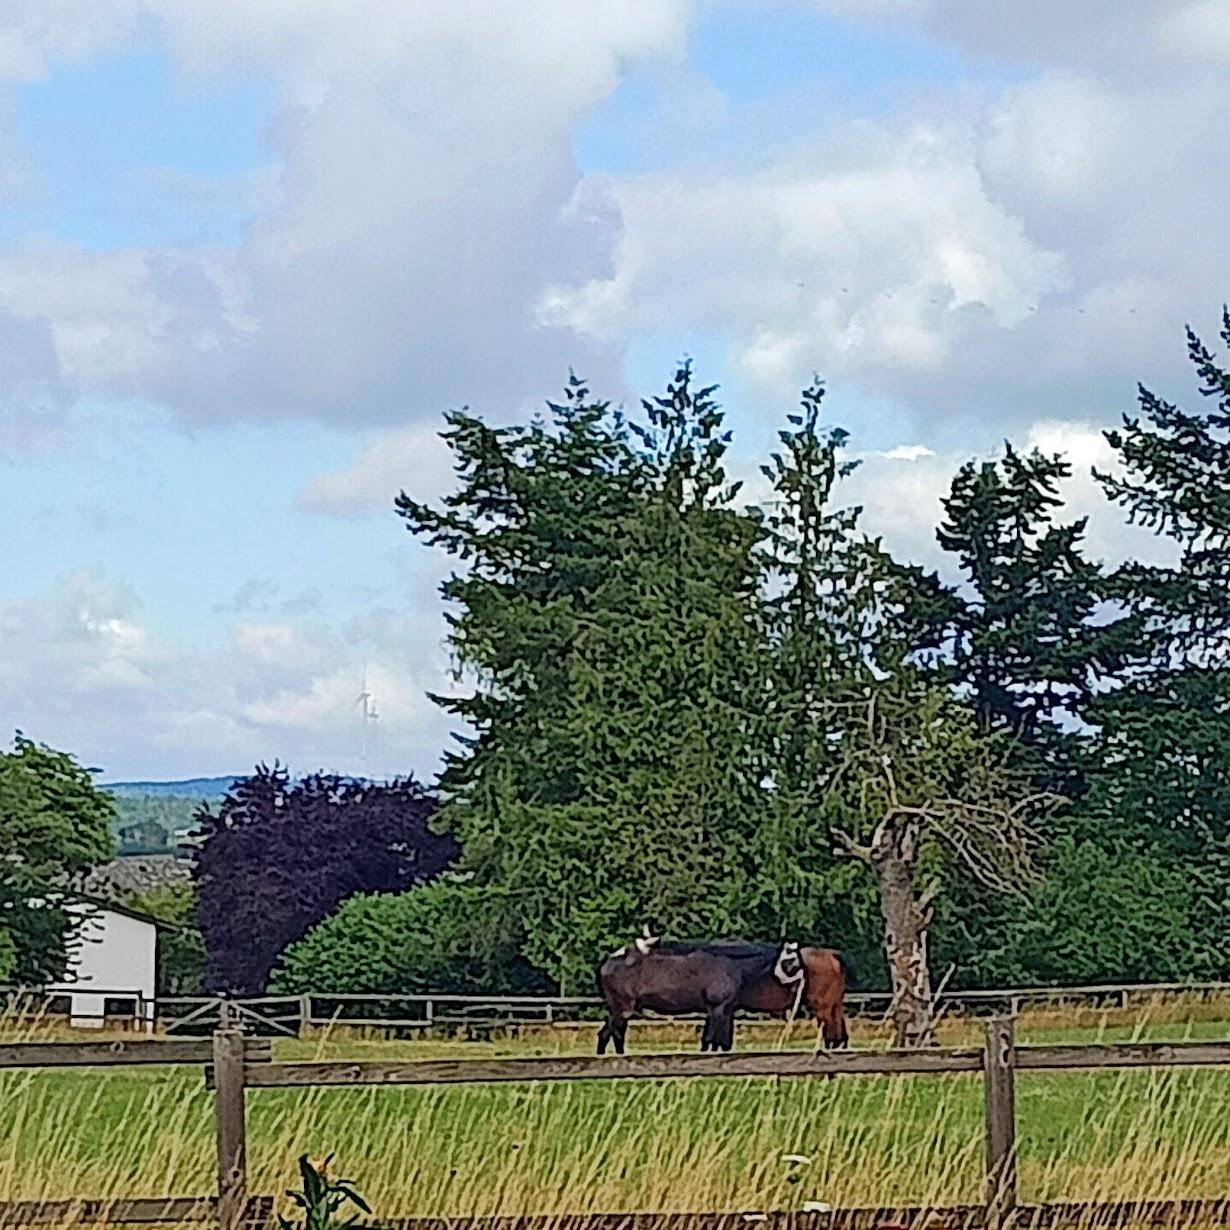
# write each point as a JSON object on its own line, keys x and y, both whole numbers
{"x": 101, "y": 903}
{"x": 137, "y": 873}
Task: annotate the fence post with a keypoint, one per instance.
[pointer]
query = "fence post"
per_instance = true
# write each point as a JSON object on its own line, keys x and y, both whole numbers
{"x": 999, "y": 1074}
{"x": 232, "y": 1129}
{"x": 305, "y": 1014}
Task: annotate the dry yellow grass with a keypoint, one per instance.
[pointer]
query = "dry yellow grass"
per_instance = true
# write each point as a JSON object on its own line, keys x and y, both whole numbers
{"x": 713, "y": 1144}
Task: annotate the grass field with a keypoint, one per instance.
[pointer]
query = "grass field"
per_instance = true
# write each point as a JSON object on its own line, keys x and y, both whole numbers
{"x": 711, "y": 1144}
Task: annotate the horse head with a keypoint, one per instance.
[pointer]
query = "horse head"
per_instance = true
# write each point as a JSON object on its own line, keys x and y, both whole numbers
{"x": 789, "y": 966}
{"x": 645, "y": 944}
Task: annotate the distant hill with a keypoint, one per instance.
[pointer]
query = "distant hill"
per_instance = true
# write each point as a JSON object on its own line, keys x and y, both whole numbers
{"x": 155, "y": 818}
{"x": 208, "y": 789}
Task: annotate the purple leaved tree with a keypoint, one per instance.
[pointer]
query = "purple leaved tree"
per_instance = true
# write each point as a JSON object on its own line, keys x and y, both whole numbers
{"x": 278, "y": 857}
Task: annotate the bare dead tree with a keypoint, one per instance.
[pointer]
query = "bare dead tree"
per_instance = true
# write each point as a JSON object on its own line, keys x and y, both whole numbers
{"x": 915, "y": 774}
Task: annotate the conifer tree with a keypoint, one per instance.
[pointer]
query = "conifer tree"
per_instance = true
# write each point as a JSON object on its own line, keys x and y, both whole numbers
{"x": 608, "y": 619}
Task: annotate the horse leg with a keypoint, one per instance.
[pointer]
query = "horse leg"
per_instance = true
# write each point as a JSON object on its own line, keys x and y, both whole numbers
{"x": 723, "y": 1028}
{"x": 614, "y": 1030}
{"x": 839, "y": 1035}
{"x": 831, "y": 1020}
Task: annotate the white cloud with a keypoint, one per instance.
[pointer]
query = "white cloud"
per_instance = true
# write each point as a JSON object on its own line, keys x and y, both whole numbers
{"x": 901, "y": 489}
{"x": 83, "y": 669}
{"x": 1108, "y": 36}
{"x": 415, "y": 460}
{"x": 424, "y": 238}
{"x": 276, "y": 644}
{"x": 908, "y": 452}
{"x": 869, "y": 260}
{"x": 34, "y": 36}
{"x": 424, "y": 173}
{"x": 989, "y": 260}
{"x": 83, "y": 637}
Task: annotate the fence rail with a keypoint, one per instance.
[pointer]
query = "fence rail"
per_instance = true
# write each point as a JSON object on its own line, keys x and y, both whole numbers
{"x": 259, "y": 1212}
{"x": 234, "y": 1065}
{"x": 297, "y": 1014}
{"x": 998, "y": 1060}
{"x": 118, "y": 1053}
{"x": 200, "y": 1015}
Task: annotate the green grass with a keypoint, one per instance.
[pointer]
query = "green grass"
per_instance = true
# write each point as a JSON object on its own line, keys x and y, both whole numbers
{"x": 588, "y": 1146}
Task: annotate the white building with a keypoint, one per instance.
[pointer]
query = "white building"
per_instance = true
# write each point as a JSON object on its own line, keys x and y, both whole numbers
{"x": 113, "y": 972}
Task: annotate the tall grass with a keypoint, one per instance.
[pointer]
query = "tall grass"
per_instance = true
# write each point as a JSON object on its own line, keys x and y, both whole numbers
{"x": 685, "y": 1145}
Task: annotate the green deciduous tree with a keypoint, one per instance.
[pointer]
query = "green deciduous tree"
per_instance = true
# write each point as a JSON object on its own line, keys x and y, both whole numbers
{"x": 445, "y": 937}
{"x": 182, "y": 957}
{"x": 1112, "y": 908}
{"x": 55, "y": 825}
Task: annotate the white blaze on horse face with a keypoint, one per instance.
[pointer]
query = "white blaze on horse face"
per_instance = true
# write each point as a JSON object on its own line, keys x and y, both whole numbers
{"x": 646, "y": 943}
{"x": 789, "y": 967}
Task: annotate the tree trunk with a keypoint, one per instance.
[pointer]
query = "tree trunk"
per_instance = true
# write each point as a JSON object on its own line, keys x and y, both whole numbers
{"x": 905, "y": 934}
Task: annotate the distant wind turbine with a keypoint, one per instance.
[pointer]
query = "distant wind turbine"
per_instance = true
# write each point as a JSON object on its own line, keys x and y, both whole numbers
{"x": 369, "y": 715}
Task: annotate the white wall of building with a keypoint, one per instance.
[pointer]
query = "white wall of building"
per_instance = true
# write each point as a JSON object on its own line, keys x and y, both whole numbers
{"x": 116, "y": 958}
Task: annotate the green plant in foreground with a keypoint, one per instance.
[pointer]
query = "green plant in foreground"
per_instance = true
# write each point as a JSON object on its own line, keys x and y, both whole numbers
{"x": 321, "y": 1197}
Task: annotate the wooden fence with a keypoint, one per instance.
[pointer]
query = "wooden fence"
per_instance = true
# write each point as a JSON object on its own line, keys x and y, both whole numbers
{"x": 291, "y": 1015}
{"x": 235, "y": 1065}
{"x": 297, "y": 1014}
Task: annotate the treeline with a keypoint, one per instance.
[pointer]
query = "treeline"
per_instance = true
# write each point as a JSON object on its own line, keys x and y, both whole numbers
{"x": 719, "y": 718}
{"x": 152, "y": 824}
{"x": 726, "y": 719}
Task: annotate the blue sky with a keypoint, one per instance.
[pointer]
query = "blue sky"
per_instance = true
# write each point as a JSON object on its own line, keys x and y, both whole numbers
{"x": 125, "y": 153}
{"x": 248, "y": 255}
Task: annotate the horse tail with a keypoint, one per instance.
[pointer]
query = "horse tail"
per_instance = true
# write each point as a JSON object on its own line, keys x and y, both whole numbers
{"x": 847, "y": 968}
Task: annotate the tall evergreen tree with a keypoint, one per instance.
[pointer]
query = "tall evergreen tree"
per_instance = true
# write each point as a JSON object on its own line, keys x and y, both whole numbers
{"x": 1174, "y": 481}
{"x": 868, "y": 753}
{"x": 1027, "y": 632}
{"x": 1162, "y": 769}
{"x": 608, "y": 618}
{"x": 818, "y": 602}
{"x": 1028, "y": 636}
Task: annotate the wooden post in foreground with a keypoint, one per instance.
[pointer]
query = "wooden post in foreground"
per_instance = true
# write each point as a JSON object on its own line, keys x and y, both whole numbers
{"x": 232, "y": 1129}
{"x": 999, "y": 1066}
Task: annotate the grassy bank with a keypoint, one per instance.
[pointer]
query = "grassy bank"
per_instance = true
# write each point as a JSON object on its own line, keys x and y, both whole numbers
{"x": 720, "y": 1144}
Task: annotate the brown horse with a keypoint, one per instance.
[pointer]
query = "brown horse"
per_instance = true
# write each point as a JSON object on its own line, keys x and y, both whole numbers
{"x": 826, "y": 978}
{"x": 827, "y": 975}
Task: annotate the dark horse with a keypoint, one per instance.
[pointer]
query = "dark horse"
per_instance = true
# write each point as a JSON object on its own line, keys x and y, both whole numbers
{"x": 674, "y": 979}
{"x": 827, "y": 976}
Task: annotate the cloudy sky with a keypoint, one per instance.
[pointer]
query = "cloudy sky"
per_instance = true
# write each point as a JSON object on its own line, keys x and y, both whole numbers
{"x": 251, "y": 249}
